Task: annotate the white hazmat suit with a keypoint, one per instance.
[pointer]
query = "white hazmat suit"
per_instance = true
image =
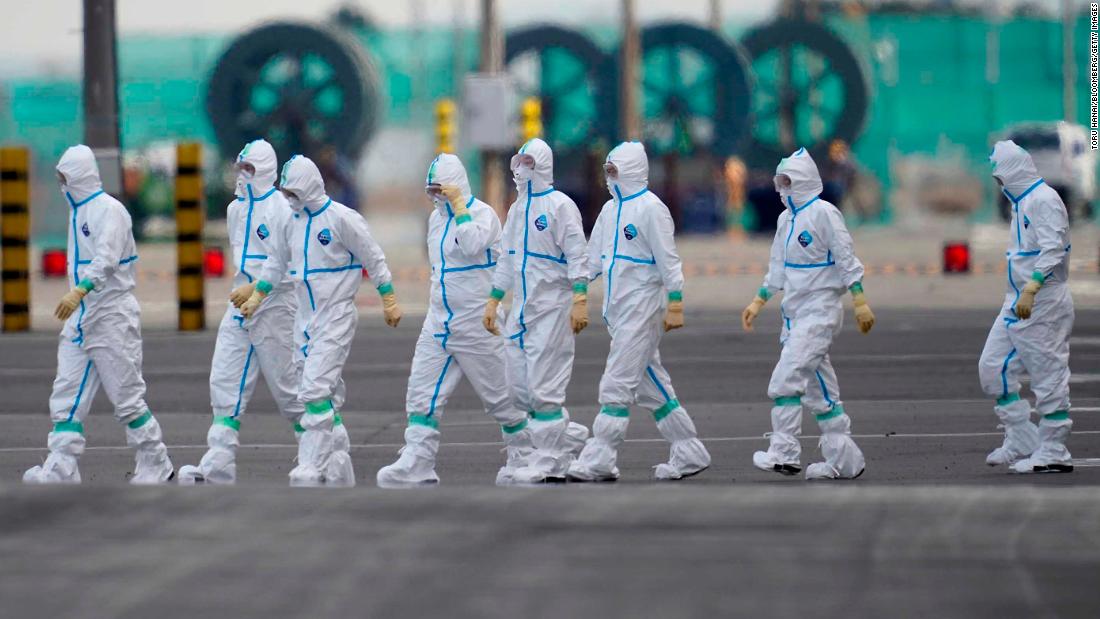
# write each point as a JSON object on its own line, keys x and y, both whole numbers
{"x": 632, "y": 246}
{"x": 463, "y": 247}
{"x": 813, "y": 262}
{"x": 257, "y": 221}
{"x": 325, "y": 249}
{"x": 1037, "y": 344}
{"x": 100, "y": 343}
{"x": 544, "y": 262}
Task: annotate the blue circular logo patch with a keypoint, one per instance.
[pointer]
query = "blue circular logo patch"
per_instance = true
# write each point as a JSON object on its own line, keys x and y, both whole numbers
{"x": 804, "y": 239}
{"x": 324, "y": 237}
{"x": 541, "y": 223}
{"x": 262, "y": 232}
{"x": 85, "y": 230}
{"x": 630, "y": 232}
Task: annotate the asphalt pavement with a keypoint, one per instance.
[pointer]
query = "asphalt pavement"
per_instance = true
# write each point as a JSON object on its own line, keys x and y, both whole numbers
{"x": 927, "y": 531}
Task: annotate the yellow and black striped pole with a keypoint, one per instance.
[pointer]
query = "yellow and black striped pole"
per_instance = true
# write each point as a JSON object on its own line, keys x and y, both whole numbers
{"x": 189, "y": 222}
{"x": 15, "y": 231}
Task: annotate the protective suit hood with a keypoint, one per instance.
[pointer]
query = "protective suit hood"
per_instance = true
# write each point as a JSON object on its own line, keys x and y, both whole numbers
{"x": 301, "y": 176}
{"x": 1014, "y": 167}
{"x": 261, "y": 155}
{"x": 633, "y": 165}
{"x": 805, "y": 179}
{"x": 542, "y": 176}
{"x": 81, "y": 173}
{"x": 447, "y": 169}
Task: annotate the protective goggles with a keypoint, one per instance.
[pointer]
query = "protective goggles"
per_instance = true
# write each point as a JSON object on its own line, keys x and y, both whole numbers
{"x": 434, "y": 191}
{"x": 246, "y": 167}
{"x": 610, "y": 170}
{"x": 522, "y": 160}
{"x": 782, "y": 182}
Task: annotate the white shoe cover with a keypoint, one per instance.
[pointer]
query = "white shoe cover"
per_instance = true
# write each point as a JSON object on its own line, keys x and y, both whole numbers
{"x": 767, "y": 461}
{"x": 843, "y": 458}
{"x": 597, "y": 460}
{"x": 314, "y": 451}
{"x": 520, "y": 449}
{"x": 339, "y": 470}
{"x": 219, "y": 464}
{"x": 784, "y": 449}
{"x": 60, "y": 466}
{"x": 151, "y": 462}
{"x": 416, "y": 465}
{"x": 1052, "y": 455}
{"x": 1021, "y": 436}
{"x": 556, "y": 445}
{"x": 687, "y": 456}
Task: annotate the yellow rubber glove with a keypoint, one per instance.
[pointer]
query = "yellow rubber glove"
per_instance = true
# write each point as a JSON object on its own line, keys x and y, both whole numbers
{"x": 489, "y": 320}
{"x": 69, "y": 302}
{"x": 753, "y": 309}
{"x": 390, "y": 309}
{"x": 250, "y": 306}
{"x": 578, "y": 317}
{"x": 1027, "y": 299}
{"x": 864, "y": 317}
{"x": 241, "y": 293}
{"x": 453, "y": 193}
{"x": 674, "y": 317}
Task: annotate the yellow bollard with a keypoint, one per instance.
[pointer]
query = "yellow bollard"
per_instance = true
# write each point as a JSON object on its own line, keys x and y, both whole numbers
{"x": 15, "y": 230}
{"x": 189, "y": 222}
{"x": 445, "y": 131}
{"x": 531, "y": 119}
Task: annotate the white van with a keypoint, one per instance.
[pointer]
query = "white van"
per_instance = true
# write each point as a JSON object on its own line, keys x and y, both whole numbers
{"x": 1065, "y": 161}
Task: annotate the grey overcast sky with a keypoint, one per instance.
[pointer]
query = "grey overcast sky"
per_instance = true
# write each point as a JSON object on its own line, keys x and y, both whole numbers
{"x": 43, "y": 36}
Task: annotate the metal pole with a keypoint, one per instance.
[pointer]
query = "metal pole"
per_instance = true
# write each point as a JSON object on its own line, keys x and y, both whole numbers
{"x": 714, "y": 16}
{"x": 101, "y": 91}
{"x": 189, "y": 224}
{"x": 1069, "y": 64}
{"x": 492, "y": 61}
{"x": 631, "y": 128}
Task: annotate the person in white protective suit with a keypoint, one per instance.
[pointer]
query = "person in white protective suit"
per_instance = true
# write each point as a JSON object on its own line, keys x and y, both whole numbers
{"x": 100, "y": 343}
{"x": 463, "y": 247}
{"x": 544, "y": 262}
{"x": 1031, "y": 333}
{"x": 813, "y": 262}
{"x": 632, "y": 245}
{"x": 325, "y": 248}
{"x": 257, "y": 220}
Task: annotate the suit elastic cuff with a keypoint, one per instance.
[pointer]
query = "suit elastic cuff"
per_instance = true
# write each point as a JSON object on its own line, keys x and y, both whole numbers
{"x": 86, "y": 285}
{"x": 264, "y": 287}
{"x": 676, "y": 295}
{"x": 497, "y": 294}
{"x": 385, "y": 289}
{"x": 580, "y": 287}
{"x": 1038, "y": 277}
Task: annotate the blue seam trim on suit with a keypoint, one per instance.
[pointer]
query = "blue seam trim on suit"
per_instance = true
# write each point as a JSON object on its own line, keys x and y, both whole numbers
{"x": 80, "y": 391}
{"x": 653, "y": 377}
{"x": 244, "y": 378}
{"x": 1004, "y": 373}
{"x": 438, "y": 384}
{"x": 824, "y": 389}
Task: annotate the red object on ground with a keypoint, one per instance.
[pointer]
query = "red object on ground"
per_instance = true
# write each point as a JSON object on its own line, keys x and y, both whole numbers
{"x": 55, "y": 263}
{"x": 956, "y": 257}
{"x": 213, "y": 262}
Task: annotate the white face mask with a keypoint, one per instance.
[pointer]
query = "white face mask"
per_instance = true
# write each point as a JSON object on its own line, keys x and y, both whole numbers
{"x": 783, "y": 185}
{"x": 244, "y": 177}
{"x": 63, "y": 184}
{"x": 294, "y": 201}
{"x": 521, "y": 176}
{"x": 611, "y": 176}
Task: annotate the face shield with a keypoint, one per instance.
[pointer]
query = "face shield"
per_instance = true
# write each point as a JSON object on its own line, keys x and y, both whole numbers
{"x": 292, "y": 199}
{"x": 523, "y": 169}
{"x": 782, "y": 184}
